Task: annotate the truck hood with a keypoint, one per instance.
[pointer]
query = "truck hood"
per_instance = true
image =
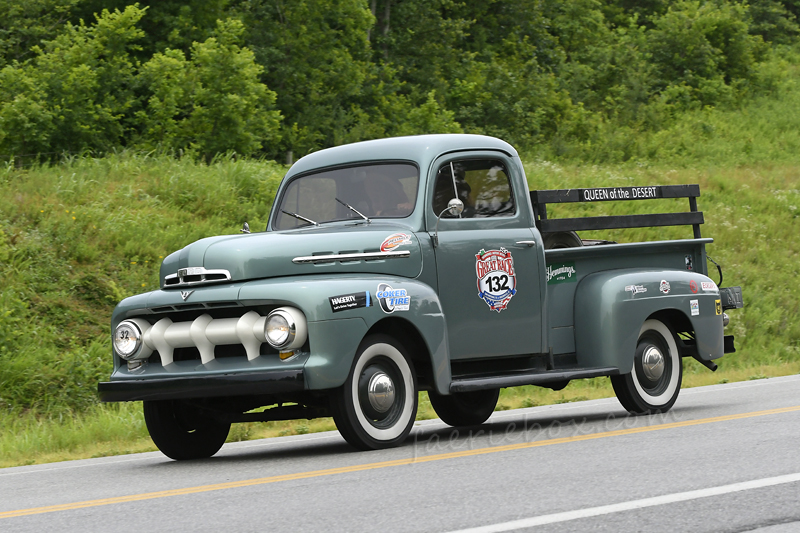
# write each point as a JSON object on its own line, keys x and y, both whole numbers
{"x": 280, "y": 253}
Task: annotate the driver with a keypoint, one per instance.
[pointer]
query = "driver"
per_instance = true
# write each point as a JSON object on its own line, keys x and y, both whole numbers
{"x": 387, "y": 196}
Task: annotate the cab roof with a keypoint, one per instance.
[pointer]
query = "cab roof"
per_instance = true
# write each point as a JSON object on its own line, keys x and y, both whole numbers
{"x": 421, "y": 149}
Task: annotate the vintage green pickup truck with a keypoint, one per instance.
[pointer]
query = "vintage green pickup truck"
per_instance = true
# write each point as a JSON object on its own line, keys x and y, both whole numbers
{"x": 398, "y": 265}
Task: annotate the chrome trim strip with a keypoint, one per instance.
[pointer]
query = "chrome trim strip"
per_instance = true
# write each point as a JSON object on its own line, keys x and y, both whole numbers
{"x": 196, "y": 271}
{"x": 365, "y": 256}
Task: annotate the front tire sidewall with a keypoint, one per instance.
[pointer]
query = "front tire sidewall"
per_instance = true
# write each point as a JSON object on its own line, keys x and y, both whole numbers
{"x": 358, "y": 428}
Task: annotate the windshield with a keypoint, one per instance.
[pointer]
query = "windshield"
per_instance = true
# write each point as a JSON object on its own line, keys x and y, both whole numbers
{"x": 376, "y": 191}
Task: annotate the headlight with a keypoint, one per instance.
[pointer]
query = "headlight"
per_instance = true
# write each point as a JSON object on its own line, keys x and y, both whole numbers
{"x": 278, "y": 330}
{"x": 129, "y": 342}
{"x": 286, "y": 329}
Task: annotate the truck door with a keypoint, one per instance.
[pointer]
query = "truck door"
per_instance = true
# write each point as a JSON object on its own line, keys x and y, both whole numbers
{"x": 487, "y": 258}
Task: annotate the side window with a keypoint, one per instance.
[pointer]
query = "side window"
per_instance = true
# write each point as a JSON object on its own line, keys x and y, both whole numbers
{"x": 482, "y": 184}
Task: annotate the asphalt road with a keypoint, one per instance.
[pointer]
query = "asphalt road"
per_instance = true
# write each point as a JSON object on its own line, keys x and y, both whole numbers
{"x": 725, "y": 458}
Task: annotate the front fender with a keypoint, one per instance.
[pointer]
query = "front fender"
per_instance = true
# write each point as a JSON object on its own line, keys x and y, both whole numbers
{"x": 611, "y": 306}
{"x": 341, "y": 310}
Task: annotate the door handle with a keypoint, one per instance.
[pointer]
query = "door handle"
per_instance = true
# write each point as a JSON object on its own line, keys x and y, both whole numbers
{"x": 528, "y": 243}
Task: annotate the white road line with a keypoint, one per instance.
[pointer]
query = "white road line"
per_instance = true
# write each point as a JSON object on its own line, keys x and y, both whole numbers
{"x": 634, "y": 504}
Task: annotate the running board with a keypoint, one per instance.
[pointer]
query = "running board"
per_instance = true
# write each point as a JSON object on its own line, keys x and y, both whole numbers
{"x": 533, "y": 378}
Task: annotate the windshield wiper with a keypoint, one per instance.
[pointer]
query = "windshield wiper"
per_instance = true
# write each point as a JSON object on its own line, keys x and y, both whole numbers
{"x": 354, "y": 210}
{"x": 300, "y": 217}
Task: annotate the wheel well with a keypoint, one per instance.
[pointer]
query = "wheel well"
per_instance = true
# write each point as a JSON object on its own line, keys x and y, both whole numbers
{"x": 415, "y": 346}
{"x": 681, "y": 326}
{"x": 675, "y": 320}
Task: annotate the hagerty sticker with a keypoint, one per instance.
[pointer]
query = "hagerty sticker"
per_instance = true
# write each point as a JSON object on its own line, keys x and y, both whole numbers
{"x": 392, "y": 299}
{"x": 497, "y": 280}
{"x": 561, "y": 273}
{"x": 393, "y": 241}
{"x": 350, "y": 301}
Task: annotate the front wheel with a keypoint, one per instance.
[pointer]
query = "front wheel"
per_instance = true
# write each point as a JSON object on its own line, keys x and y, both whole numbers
{"x": 376, "y": 406}
{"x": 655, "y": 379}
{"x": 464, "y": 408}
{"x": 181, "y": 431}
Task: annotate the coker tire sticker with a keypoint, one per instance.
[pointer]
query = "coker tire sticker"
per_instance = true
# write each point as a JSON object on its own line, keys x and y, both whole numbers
{"x": 497, "y": 280}
{"x": 391, "y": 299}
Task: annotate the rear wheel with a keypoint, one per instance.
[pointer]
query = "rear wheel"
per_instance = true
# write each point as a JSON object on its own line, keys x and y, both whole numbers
{"x": 655, "y": 379}
{"x": 377, "y": 405}
{"x": 465, "y": 408}
{"x": 181, "y": 431}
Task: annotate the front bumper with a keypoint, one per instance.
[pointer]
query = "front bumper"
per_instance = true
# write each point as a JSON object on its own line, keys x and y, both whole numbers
{"x": 244, "y": 384}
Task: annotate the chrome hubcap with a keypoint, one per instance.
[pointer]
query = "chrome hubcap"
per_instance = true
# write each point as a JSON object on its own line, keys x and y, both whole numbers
{"x": 653, "y": 363}
{"x": 380, "y": 392}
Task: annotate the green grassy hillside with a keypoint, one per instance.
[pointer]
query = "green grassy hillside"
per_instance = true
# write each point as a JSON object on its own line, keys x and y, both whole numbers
{"x": 78, "y": 236}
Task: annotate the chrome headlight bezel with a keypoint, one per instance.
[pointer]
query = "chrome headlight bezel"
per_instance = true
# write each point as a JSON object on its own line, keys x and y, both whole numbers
{"x": 296, "y": 328}
{"x": 128, "y": 331}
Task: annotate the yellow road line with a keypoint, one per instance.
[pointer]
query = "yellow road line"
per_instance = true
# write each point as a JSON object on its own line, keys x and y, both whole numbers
{"x": 386, "y": 464}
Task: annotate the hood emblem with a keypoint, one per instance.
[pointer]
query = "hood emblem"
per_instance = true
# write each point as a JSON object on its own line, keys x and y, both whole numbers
{"x": 186, "y": 294}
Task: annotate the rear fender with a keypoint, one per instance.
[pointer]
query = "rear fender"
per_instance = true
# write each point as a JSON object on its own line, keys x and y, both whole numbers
{"x": 611, "y": 306}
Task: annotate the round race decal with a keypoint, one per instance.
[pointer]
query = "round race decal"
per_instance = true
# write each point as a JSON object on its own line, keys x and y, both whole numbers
{"x": 497, "y": 281}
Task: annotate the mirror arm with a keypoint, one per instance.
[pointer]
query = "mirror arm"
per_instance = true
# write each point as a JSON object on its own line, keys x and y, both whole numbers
{"x": 456, "y": 207}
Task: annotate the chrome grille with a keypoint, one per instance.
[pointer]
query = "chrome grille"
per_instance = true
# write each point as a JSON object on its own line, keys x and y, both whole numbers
{"x": 186, "y": 277}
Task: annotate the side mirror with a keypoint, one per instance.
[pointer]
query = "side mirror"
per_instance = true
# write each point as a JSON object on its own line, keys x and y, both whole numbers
{"x": 454, "y": 207}
{"x": 245, "y": 228}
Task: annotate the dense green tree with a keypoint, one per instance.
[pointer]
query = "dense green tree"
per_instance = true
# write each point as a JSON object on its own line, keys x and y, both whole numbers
{"x": 83, "y": 83}
{"x": 25, "y": 24}
{"x": 315, "y": 55}
{"x": 211, "y": 103}
{"x": 26, "y": 119}
{"x": 620, "y": 13}
{"x": 774, "y": 20}
{"x": 702, "y": 50}
{"x": 169, "y": 23}
{"x": 169, "y": 75}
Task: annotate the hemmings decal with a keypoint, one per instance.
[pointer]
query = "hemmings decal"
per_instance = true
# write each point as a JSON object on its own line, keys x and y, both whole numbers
{"x": 497, "y": 281}
{"x": 693, "y": 286}
{"x": 718, "y": 306}
{"x": 561, "y": 273}
{"x": 635, "y": 289}
{"x": 708, "y": 285}
{"x": 664, "y": 286}
{"x": 350, "y": 301}
{"x": 393, "y": 241}
{"x": 392, "y": 300}
{"x": 694, "y": 305}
